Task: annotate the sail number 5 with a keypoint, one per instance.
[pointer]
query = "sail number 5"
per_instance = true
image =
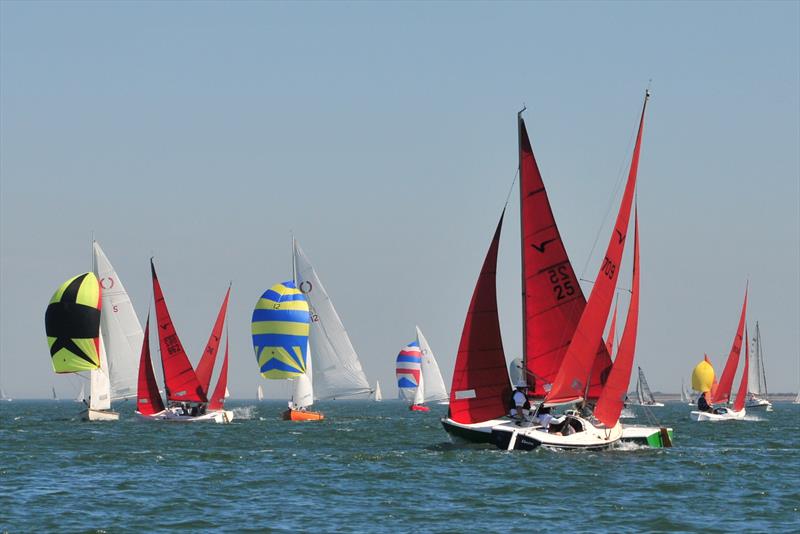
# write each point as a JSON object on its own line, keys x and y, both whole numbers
{"x": 562, "y": 282}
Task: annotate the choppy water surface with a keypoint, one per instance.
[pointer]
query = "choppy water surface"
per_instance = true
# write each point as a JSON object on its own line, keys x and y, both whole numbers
{"x": 376, "y": 467}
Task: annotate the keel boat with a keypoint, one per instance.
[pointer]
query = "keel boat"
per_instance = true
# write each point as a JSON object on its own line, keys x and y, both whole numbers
{"x": 757, "y": 390}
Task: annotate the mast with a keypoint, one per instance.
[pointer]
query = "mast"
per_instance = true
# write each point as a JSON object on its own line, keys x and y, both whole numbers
{"x": 760, "y": 360}
{"x": 522, "y": 250}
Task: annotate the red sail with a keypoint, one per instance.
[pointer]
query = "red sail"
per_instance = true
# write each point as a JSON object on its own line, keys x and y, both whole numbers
{"x": 612, "y": 329}
{"x": 206, "y": 366}
{"x": 723, "y": 392}
{"x": 552, "y": 297}
{"x": 148, "y": 399}
{"x": 179, "y": 377}
{"x": 612, "y": 399}
{"x": 741, "y": 394}
{"x": 480, "y": 385}
{"x": 579, "y": 361}
{"x": 217, "y": 400}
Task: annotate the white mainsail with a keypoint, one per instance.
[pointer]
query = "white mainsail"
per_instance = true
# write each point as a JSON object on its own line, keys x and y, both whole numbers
{"x": 419, "y": 393}
{"x": 338, "y": 371}
{"x": 378, "y": 396}
{"x": 260, "y": 393}
{"x": 120, "y": 329}
{"x": 99, "y": 383}
{"x": 435, "y": 389}
{"x": 82, "y": 395}
{"x": 757, "y": 379}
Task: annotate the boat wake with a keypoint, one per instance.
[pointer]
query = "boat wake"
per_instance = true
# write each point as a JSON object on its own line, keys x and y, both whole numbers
{"x": 752, "y": 418}
{"x": 244, "y": 412}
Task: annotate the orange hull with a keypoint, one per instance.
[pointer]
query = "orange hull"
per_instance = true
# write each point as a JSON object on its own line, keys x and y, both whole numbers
{"x": 419, "y": 408}
{"x": 298, "y": 415}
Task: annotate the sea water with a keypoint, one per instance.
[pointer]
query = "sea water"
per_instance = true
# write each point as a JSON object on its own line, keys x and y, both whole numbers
{"x": 376, "y": 467}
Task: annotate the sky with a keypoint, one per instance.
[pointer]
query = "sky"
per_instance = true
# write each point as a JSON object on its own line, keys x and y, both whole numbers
{"x": 383, "y": 136}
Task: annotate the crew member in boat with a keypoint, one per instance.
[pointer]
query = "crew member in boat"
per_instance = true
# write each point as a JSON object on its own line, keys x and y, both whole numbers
{"x": 702, "y": 403}
{"x": 520, "y": 405}
{"x": 543, "y": 416}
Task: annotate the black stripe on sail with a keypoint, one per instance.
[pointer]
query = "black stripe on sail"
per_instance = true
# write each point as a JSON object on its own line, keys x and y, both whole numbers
{"x": 71, "y": 293}
{"x": 68, "y": 344}
{"x": 71, "y": 320}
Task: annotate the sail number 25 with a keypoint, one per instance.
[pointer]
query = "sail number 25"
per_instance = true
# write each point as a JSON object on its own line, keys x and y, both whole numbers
{"x": 562, "y": 282}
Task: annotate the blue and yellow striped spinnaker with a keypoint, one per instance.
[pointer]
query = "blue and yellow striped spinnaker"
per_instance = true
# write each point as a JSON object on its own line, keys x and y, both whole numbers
{"x": 280, "y": 332}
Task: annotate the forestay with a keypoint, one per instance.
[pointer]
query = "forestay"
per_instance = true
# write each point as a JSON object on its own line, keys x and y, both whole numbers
{"x": 434, "y": 388}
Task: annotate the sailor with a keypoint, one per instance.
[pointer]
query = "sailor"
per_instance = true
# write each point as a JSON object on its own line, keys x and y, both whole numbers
{"x": 519, "y": 402}
{"x": 584, "y": 409}
{"x": 543, "y": 416}
{"x": 702, "y": 403}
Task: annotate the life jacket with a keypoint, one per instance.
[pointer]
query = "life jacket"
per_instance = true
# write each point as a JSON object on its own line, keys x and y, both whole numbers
{"x": 512, "y": 405}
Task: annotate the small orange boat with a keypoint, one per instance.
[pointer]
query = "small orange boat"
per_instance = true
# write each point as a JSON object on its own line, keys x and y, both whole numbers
{"x": 302, "y": 415}
{"x": 419, "y": 408}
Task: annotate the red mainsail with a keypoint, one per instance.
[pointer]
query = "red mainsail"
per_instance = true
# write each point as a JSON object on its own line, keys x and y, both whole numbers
{"x": 217, "y": 399}
{"x": 179, "y": 376}
{"x": 579, "y": 365}
{"x": 148, "y": 399}
{"x": 480, "y": 379}
{"x": 741, "y": 394}
{"x": 612, "y": 399}
{"x": 206, "y": 366}
{"x": 723, "y": 392}
{"x": 552, "y": 299}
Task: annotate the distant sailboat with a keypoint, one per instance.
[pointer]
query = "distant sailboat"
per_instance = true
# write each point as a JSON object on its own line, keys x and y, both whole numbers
{"x": 338, "y": 371}
{"x": 280, "y": 327}
{"x": 81, "y": 395}
{"x": 644, "y": 396}
{"x": 55, "y": 397}
{"x": 795, "y": 401}
{"x": 4, "y": 397}
{"x": 686, "y": 396}
{"x": 378, "y": 397}
{"x": 757, "y": 390}
{"x": 260, "y": 393}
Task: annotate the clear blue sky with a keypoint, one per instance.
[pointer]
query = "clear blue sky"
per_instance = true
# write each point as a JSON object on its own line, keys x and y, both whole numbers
{"x": 383, "y": 135}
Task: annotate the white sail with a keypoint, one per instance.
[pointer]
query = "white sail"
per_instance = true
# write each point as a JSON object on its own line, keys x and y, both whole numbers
{"x": 757, "y": 379}
{"x": 260, "y": 393}
{"x": 227, "y": 393}
{"x": 303, "y": 394}
{"x": 378, "y": 396}
{"x": 55, "y": 397}
{"x": 3, "y": 395}
{"x": 120, "y": 328}
{"x": 338, "y": 371}
{"x": 435, "y": 389}
{"x": 796, "y": 399}
{"x": 82, "y": 395}
{"x": 99, "y": 383}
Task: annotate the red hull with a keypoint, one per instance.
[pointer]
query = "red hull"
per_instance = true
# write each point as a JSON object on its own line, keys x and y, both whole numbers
{"x": 419, "y": 408}
{"x": 298, "y": 415}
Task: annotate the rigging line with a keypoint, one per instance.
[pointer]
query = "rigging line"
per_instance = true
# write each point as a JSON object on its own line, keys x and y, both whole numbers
{"x": 511, "y": 189}
{"x": 616, "y": 190}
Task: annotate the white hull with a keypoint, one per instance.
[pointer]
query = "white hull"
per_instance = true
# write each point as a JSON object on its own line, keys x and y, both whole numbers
{"x": 758, "y": 404}
{"x": 99, "y": 415}
{"x": 727, "y": 415}
{"x": 584, "y": 435}
{"x": 171, "y": 416}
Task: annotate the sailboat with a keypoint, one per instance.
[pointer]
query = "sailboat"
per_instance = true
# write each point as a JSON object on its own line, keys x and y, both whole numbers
{"x": 4, "y": 397}
{"x": 720, "y": 397}
{"x": 55, "y": 397}
{"x": 120, "y": 339}
{"x": 188, "y": 400}
{"x": 409, "y": 377}
{"x": 644, "y": 397}
{"x": 795, "y": 401}
{"x": 260, "y": 393}
{"x": 280, "y": 328}
{"x": 686, "y": 396}
{"x": 564, "y": 357}
{"x": 81, "y": 395}
{"x": 378, "y": 397}
{"x": 337, "y": 369}
{"x": 757, "y": 390}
